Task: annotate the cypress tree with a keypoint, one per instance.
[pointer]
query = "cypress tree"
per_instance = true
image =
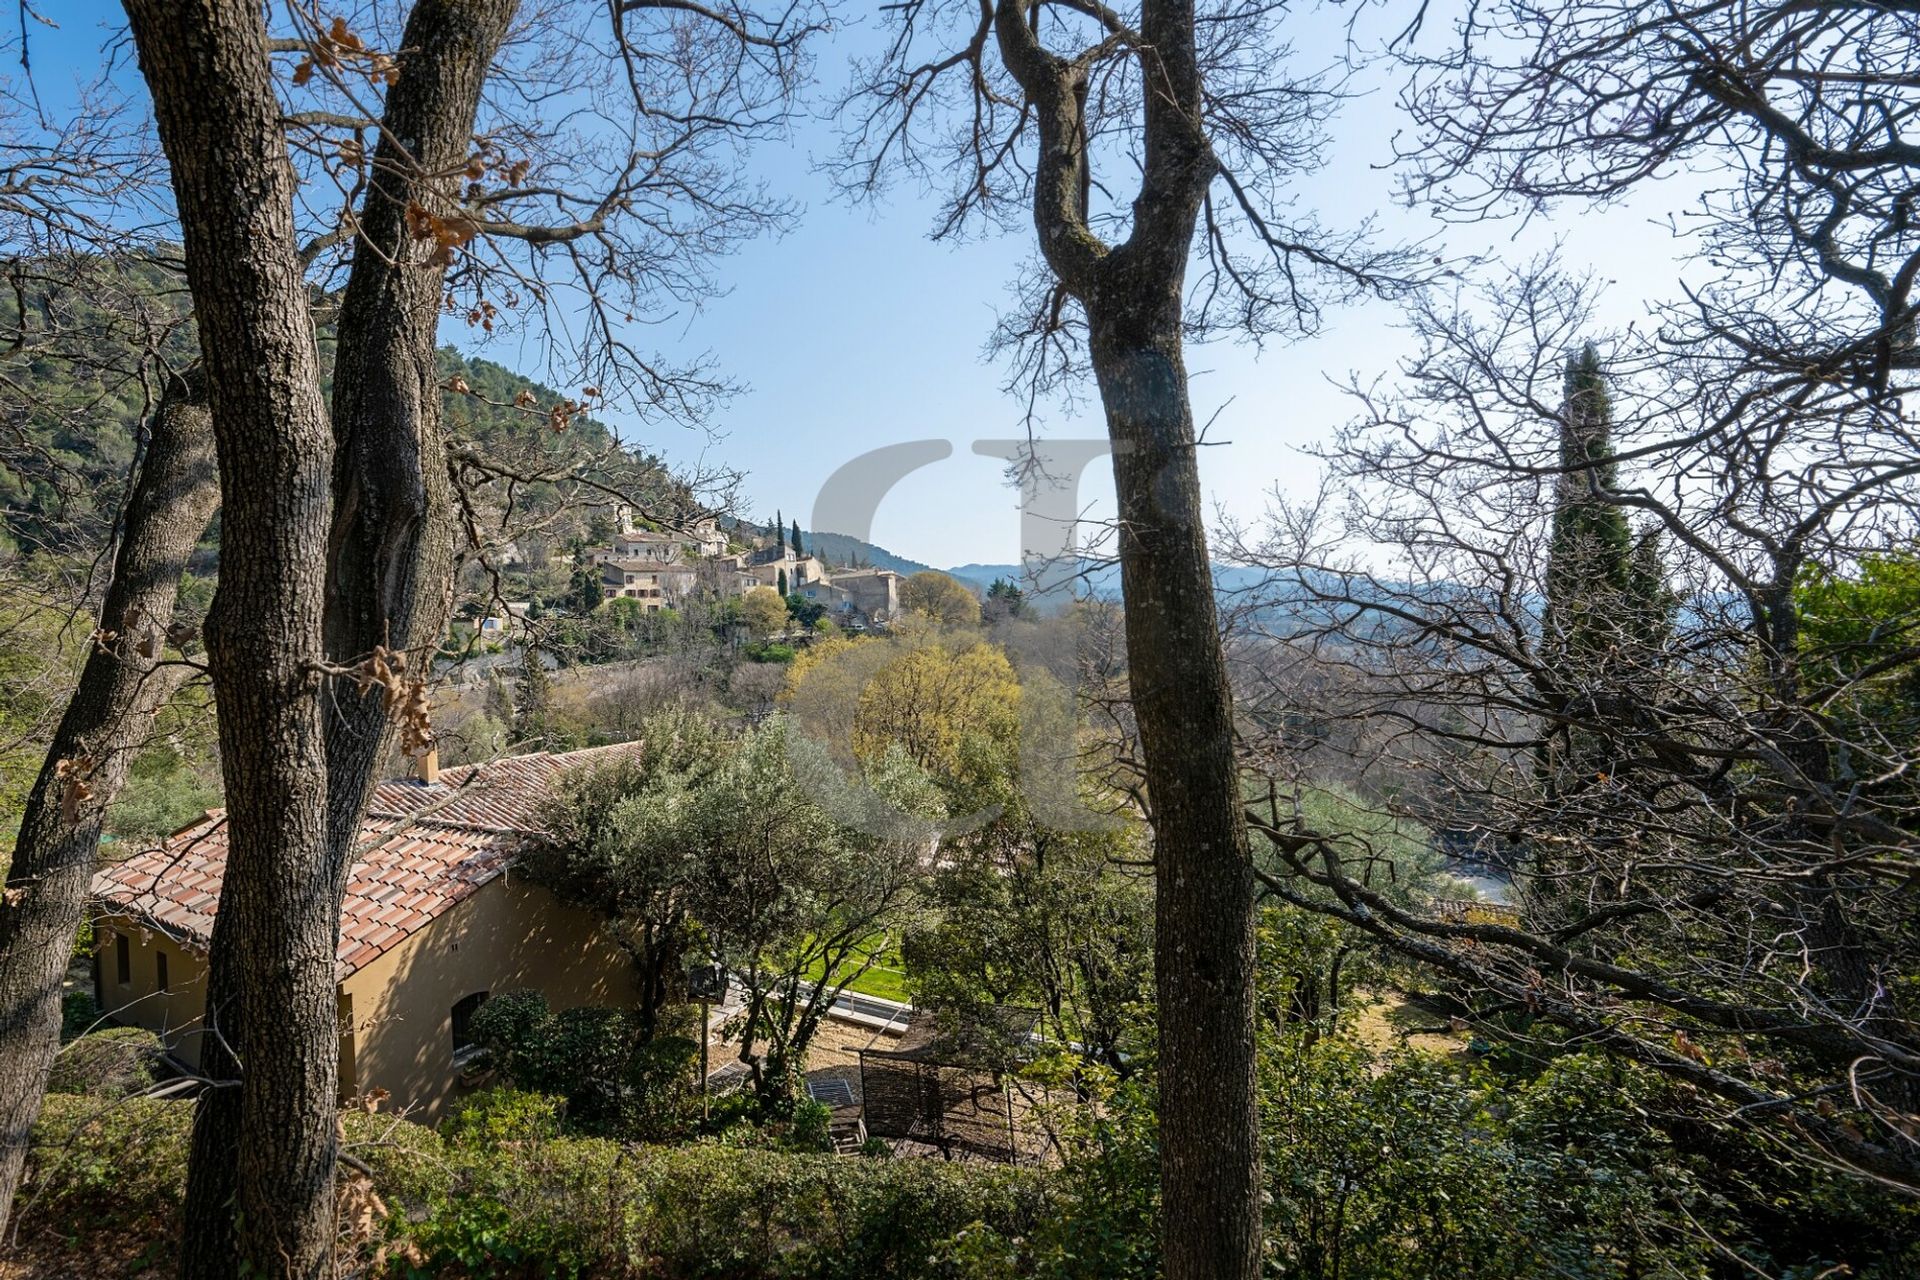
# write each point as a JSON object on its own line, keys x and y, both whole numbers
{"x": 532, "y": 702}
{"x": 798, "y": 551}
{"x": 1589, "y": 557}
{"x": 1607, "y": 610}
{"x": 783, "y": 584}
{"x": 780, "y": 528}
{"x": 585, "y": 591}
{"x": 499, "y": 703}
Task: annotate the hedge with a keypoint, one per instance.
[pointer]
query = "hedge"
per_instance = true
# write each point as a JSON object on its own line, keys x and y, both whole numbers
{"x": 113, "y": 1062}
{"x": 504, "y": 1205}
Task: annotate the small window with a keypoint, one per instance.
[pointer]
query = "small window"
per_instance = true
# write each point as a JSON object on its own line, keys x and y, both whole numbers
{"x": 122, "y": 959}
{"x": 160, "y": 982}
{"x": 463, "y": 1012}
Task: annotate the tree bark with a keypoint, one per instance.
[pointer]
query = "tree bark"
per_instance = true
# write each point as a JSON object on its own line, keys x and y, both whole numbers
{"x": 1204, "y": 896}
{"x": 390, "y": 541}
{"x": 271, "y": 985}
{"x": 106, "y": 720}
{"x": 390, "y": 553}
{"x": 1203, "y": 878}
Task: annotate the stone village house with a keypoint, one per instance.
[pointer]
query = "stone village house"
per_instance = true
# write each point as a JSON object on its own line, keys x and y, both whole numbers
{"x": 434, "y": 922}
{"x": 661, "y": 570}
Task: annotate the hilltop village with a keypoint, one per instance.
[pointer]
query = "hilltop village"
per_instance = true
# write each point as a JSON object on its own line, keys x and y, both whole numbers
{"x": 662, "y": 569}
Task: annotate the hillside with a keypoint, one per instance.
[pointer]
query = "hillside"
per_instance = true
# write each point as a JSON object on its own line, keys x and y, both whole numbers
{"x": 78, "y": 377}
{"x": 843, "y": 549}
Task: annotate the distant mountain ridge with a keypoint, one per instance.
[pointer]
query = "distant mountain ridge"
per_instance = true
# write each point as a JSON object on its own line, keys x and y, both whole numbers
{"x": 1101, "y": 578}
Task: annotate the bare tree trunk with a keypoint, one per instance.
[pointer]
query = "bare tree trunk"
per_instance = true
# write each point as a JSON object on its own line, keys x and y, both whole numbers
{"x": 390, "y": 554}
{"x": 120, "y": 689}
{"x": 1133, "y": 294}
{"x": 1203, "y": 879}
{"x": 206, "y": 64}
{"x": 390, "y": 545}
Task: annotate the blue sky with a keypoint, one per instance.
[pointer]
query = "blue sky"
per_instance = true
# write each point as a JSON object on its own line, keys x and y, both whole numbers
{"x": 855, "y": 331}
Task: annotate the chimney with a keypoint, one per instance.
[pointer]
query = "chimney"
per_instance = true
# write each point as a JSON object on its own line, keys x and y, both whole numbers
{"x": 426, "y": 766}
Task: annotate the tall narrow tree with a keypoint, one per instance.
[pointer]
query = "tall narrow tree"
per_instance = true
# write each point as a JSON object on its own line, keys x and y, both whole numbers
{"x": 1605, "y": 606}
{"x": 206, "y": 64}
{"x": 532, "y": 702}
{"x": 390, "y": 545}
{"x": 1589, "y": 557}
{"x": 1189, "y": 115}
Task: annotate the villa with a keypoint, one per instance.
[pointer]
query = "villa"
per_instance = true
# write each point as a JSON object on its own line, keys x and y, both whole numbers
{"x": 434, "y": 922}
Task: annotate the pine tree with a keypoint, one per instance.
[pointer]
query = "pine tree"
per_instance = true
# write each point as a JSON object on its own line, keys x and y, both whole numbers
{"x": 1004, "y": 600}
{"x": 798, "y": 550}
{"x": 533, "y": 702}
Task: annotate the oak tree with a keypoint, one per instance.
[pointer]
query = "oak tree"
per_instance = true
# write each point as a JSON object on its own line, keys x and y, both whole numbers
{"x": 414, "y": 152}
{"x": 1142, "y": 139}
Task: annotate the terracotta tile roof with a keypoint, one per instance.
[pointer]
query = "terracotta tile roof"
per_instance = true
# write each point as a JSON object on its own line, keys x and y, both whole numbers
{"x": 422, "y": 850}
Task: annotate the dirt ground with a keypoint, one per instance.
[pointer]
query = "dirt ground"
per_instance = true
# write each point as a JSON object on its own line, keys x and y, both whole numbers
{"x": 1391, "y": 1022}
{"x": 832, "y": 1062}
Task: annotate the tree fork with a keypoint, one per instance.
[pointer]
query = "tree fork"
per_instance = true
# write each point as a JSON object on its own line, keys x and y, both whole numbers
{"x": 390, "y": 542}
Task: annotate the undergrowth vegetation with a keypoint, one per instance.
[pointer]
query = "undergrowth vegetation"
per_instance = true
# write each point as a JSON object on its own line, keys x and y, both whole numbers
{"x": 1396, "y": 1166}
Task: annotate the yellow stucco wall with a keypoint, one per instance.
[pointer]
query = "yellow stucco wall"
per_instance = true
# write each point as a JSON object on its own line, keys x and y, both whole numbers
{"x": 510, "y": 935}
{"x": 174, "y": 1015}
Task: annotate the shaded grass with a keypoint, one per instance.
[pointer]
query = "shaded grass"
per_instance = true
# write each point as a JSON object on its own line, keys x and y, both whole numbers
{"x": 883, "y": 978}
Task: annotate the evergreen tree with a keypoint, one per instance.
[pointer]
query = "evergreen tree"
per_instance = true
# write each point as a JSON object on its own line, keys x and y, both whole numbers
{"x": 783, "y": 584}
{"x": 780, "y": 528}
{"x": 798, "y": 550}
{"x": 1605, "y": 587}
{"x": 1590, "y": 554}
{"x": 533, "y": 702}
{"x": 1004, "y": 600}
{"x": 1607, "y": 609}
{"x": 585, "y": 593}
{"x": 499, "y": 701}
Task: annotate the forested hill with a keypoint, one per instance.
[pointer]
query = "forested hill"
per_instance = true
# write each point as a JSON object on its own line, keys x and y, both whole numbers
{"x": 844, "y": 549}
{"x": 78, "y": 348}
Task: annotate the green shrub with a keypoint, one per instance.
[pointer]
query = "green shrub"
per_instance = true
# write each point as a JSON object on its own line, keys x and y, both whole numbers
{"x": 78, "y": 1012}
{"x": 500, "y": 1117}
{"x": 489, "y": 1204}
{"x": 614, "y": 1083}
{"x": 770, "y": 653}
{"x": 808, "y": 1128}
{"x": 661, "y": 1091}
{"x": 504, "y": 1026}
{"x": 586, "y": 1204}
{"x": 110, "y": 1063}
{"x": 98, "y": 1164}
